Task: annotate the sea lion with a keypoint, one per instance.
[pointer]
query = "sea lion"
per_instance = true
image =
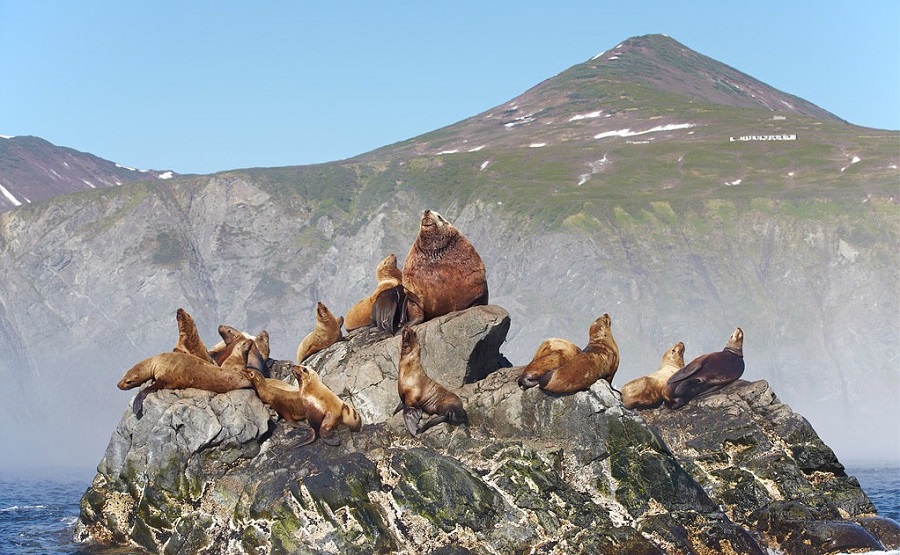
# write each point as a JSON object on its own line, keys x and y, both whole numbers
{"x": 646, "y": 392}
{"x": 257, "y": 357}
{"x": 326, "y": 332}
{"x": 283, "y": 397}
{"x": 324, "y": 410}
{"x": 421, "y": 394}
{"x": 178, "y": 371}
{"x": 599, "y": 360}
{"x": 388, "y": 276}
{"x": 189, "y": 341}
{"x": 552, "y": 353}
{"x": 442, "y": 272}
{"x": 706, "y": 373}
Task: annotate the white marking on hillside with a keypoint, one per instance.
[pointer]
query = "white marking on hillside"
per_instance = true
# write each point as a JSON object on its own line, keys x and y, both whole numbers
{"x": 9, "y": 196}
{"x": 854, "y": 160}
{"x": 88, "y": 183}
{"x": 613, "y": 58}
{"x": 125, "y": 167}
{"x": 118, "y": 182}
{"x": 485, "y": 164}
{"x": 630, "y": 133}
{"x": 598, "y": 55}
{"x": 166, "y": 175}
{"x": 519, "y": 120}
{"x": 733, "y": 183}
{"x": 66, "y": 164}
{"x": 6, "y": 136}
{"x": 592, "y": 115}
{"x": 477, "y": 148}
{"x": 786, "y": 104}
{"x": 537, "y": 145}
{"x": 596, "y": 167}
{"x": 791, "y": 174}
{"x": 454, "y": 151}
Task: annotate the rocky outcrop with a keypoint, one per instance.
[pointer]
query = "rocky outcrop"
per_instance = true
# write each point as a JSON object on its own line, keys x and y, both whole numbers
{"x": 532, "y": 473}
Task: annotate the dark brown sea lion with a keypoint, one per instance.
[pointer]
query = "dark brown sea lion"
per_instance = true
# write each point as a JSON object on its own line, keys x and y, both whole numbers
{"x": 388, "y": 276}
{"x": 324, "y": 410}
{"x": 706, "y": 373}
{"x": 646, "y": 392}
{"x": 599, "y": 360}
{"x": 283, "y": 397}
{"x": 552, "y": 353}
{"x": 189, "y": 341}
{"x": 326, "y": 332}
{"x": 442, "y": 272}
{"x": 178, "y": 371}
{"x": 388, "y": 312}
{"x": 421, "y": 394}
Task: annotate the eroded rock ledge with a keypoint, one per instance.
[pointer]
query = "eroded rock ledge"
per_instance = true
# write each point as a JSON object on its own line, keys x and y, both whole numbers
{"x": 737, "y": 472}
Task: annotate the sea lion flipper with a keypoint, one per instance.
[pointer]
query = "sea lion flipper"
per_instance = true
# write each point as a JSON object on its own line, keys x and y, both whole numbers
{"x": 412, "y": 416}
{"x": 692, "y": 368}
{"x": 433, "y": 422}
{"x": 400, "y": 406}
{"x": 137, "y": 406}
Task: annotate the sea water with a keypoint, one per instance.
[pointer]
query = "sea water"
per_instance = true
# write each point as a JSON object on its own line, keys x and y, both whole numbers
{"x": 38, "y": 510}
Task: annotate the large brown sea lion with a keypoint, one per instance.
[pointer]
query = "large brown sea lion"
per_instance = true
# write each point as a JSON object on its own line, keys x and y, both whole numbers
{"x": 326, "y": 332}
{"x": 706, "y": 373}
{"x": 421, "y": 394}
{"x": 599, "y": 360}
{"x": 324, "y": 410}
{"x": 388, "y": 276}
{"x": 189, "y": 341}
{"x": 552, "y": 353}
{"x": 283, "y": 397}
{"x": 442, "y": 272}
{"x": 646, "y": 392}
{"x": 178, "y": 371}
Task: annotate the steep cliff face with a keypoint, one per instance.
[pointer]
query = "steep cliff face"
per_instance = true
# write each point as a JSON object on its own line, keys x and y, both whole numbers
{"x": 91, "y": 286}
{"x": 532, "y": 473}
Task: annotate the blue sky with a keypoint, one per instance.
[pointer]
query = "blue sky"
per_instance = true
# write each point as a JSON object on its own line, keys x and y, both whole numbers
{"x": 203, "y": 86}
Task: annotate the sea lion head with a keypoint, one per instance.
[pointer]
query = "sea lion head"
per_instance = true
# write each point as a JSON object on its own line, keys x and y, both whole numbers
{"x": 253, "y": 376}
{"x": 736, "y": 342}
{"x": 182, "y": 316}
{"x": 229, "y": 334}
{"x": 675, "y": 354}
{"x": 324, "y": 315}
{"x": 303, "y": 374}
{"x": 600, "y": 329}
{"x": 262, "y": 343}
{"x": 457, "y": 415}
{"x": 409, "y": 341}
{"x": 387, "y": 268}
{"x": 435, "y": 232}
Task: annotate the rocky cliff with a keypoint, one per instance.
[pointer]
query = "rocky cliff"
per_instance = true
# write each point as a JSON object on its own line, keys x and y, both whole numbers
{"x": 735, "y": 472}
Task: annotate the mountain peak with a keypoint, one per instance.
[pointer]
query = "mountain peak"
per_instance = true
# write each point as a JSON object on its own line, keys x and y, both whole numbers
{"x": 649, "y": 82}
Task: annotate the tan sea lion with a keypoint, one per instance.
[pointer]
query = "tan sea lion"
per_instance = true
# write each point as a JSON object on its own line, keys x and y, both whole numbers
{"x": 646, "y": 392}
{"x": 706, "y": 373}
{"x": 189, "y": 341}
{"x": 599, "y": 360}
{"x": 231, "y": 337}
{"x": 324, "y": 410}
{"x": 388, "y": 276}
{"x": 552, "y": 353}
{"x": 442, "y": 272}
{"x": 178, "y": 371}
{"x": 421, "y": 394}
{"x": 326, "y": 332}
{"x": 283, "y": 397}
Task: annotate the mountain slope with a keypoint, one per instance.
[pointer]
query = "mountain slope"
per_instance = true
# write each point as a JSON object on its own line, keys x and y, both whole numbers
{"x": 32, "y": 170}
{"x": 675, "y": 231}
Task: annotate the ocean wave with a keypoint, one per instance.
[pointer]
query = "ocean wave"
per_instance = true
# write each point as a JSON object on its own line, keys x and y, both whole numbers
{"x": 24, "y": 508}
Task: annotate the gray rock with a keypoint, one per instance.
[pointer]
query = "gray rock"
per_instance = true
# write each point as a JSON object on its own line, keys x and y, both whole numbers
{"x": 205, "y": 473}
